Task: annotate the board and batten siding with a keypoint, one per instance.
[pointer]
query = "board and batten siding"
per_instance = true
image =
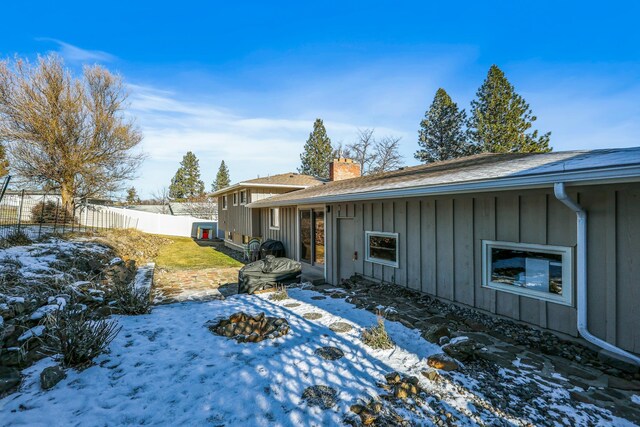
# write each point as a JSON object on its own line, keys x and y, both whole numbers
{"x": 440, "y": 251}
{"x": 286, "y": 233}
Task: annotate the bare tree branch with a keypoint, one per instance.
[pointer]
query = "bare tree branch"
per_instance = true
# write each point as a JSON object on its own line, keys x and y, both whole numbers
{"x": 65, "y": 133}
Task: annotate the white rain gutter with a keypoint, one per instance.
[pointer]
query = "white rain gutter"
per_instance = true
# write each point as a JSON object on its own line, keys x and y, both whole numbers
{"x": 581, "y": 255}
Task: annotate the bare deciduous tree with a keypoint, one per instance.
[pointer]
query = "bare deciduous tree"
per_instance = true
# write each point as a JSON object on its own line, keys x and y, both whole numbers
{"x": 67, "y": 133}
{"x": 203, "y": 207}
{"x": 387, "y": 154}
{"x": 362, "y": 151}
{"x": 161, "y": 197}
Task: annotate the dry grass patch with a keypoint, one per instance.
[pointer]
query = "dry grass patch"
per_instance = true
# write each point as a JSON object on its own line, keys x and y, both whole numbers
{"x": 133, "y": 244}
{"x": 377, "y": 337}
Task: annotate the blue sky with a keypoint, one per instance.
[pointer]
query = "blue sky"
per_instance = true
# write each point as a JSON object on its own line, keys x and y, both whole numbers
{"x": 244, "y": 82}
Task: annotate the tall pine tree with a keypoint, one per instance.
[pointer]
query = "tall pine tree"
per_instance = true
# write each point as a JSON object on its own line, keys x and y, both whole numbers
{"x": 442, "y": 135}
{"x": 501, "y": 119}
{"x": 132, "y": 195}
{"x": 186, "y": 183}
{"x": 318, "y": 152}
{"x": 222, "y": 178}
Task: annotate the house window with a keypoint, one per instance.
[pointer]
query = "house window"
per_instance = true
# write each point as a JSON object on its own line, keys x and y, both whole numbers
{"x": 243, "y": 197}
{"x": 235, "y": 199}
{"x": 245, "y": 239}
{"x": 382, "y": 248}
{"x": 224, "y": 203}
{"x": 229, "y": 235}
{"x": 537, "y": 271}
{"x": 274, "y": 218}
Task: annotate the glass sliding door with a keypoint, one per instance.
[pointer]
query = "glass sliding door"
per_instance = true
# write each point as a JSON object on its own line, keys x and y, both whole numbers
{"x": 305, "y": 236}
{"x": 318, "y": 231}
{"x": 312, "y": 236}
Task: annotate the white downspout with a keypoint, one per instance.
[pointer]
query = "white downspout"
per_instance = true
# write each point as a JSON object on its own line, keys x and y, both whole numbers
{"x": 581, "y": 255}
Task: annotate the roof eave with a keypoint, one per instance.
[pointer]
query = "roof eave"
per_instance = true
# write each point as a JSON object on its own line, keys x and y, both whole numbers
{"x": 598, "y": 176}
{"x": 249, "y": 185}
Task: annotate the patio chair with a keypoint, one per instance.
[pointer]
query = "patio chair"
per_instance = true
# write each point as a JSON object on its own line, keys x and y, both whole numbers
{"x": 252, "y": 250}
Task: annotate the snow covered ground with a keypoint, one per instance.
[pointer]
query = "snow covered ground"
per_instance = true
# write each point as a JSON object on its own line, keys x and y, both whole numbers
{"x": 38, "y": 259}
{"x": 167, "y": 368}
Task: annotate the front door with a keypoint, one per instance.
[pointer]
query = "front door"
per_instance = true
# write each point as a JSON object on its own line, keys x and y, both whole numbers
{"x": 346, "y": 249}
{"x": 312, "y": 236}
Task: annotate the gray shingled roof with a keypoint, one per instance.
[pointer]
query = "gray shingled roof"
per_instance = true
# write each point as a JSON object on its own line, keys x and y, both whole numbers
{"x": 494, "y": 171}
{"x": 289, "y": 179}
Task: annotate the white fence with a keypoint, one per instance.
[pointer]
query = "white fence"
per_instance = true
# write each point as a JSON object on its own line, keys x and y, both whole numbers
{"x": 155, "y": 223}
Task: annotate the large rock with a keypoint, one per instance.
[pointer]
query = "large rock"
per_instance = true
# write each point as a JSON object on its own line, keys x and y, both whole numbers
{"x": 12, "y": 356}
{"x": 615, "y": 361}
{"x": 9, "y": 378}
{"x": 462, "y": 348}
{"x": 51, "y": 376}
{"x": 435, "y": 332}
{"x": 442, "y": 361}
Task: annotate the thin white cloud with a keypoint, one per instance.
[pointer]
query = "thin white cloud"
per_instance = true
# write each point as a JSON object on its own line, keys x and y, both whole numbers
{"x": 251, "y": 146}
{"x": 74, "y": 53}
{"x": 259, "y": 125}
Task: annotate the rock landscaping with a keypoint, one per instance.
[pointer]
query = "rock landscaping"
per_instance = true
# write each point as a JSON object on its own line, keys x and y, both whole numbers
{"x": 509, "y": 361}
{"x": 329, "y": 353}
{"x": 55, "y": 279}
{"x": 312, "y": 316}
{"x": 320, "y": 395}
{"x": 244, "y": 328}
{"x": 340, "y": 327}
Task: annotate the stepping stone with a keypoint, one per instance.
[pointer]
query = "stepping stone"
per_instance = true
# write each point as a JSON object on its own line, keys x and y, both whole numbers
{"x": 292, "y": 304}
{"x": 329, "y": 353}
{"x": 320, "y": 395}
{"x": 340, "y": 327}
{"x": 312, "y": 316}
{"x": 318, "y": 297}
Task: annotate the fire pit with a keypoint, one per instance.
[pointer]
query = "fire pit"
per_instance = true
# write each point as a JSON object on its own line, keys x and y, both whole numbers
{"x": 245, "y": 328}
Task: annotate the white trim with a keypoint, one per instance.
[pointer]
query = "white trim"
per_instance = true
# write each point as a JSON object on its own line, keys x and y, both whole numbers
{"x": 606, "y": 176}
{"x": 234, "y": 198}
{"x": 368, "y": 258}
{"x": 567, "y": 270}
{"x": 274, "y": 227}
{"x": 245, "y": 197}
{"x": 225, "y": 202}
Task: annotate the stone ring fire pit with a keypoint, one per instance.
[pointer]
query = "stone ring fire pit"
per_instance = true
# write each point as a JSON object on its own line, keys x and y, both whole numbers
{"x": 245, "y": 328}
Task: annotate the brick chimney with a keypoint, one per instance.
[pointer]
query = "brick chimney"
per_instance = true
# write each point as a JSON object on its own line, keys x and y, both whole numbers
{"x": 342, "y": 168}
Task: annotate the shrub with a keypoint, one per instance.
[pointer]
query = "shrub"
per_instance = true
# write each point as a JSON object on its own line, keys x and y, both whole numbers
{"x": 131, "y": 300}
{"x": 50, "y": 212}
{"x": 77, "y": 338}
{"x": 279, "y": 294}
{"x": 376, "y": 336}
{"x": 17, "y": 238}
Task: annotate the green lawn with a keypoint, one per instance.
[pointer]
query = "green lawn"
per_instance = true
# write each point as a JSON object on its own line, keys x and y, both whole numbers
{"x": 184, "y": 253}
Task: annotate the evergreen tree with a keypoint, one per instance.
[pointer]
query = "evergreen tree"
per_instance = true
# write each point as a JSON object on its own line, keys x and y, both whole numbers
{"x": 442, "y": 135}
{"x": 318, "y": 152}
{"x": 132, "y": 195}
{"x": 222, "y": 178}
{"x": 501, "y": 119}
{"x": 186, "y": 183}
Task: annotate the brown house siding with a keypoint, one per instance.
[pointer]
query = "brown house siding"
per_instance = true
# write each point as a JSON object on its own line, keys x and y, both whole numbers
{"x": 240, "y": 219}
{"x": 440, "y": 241}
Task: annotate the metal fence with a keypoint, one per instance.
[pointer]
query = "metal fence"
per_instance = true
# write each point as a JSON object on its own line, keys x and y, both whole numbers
{"x": 36, "y": 215}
